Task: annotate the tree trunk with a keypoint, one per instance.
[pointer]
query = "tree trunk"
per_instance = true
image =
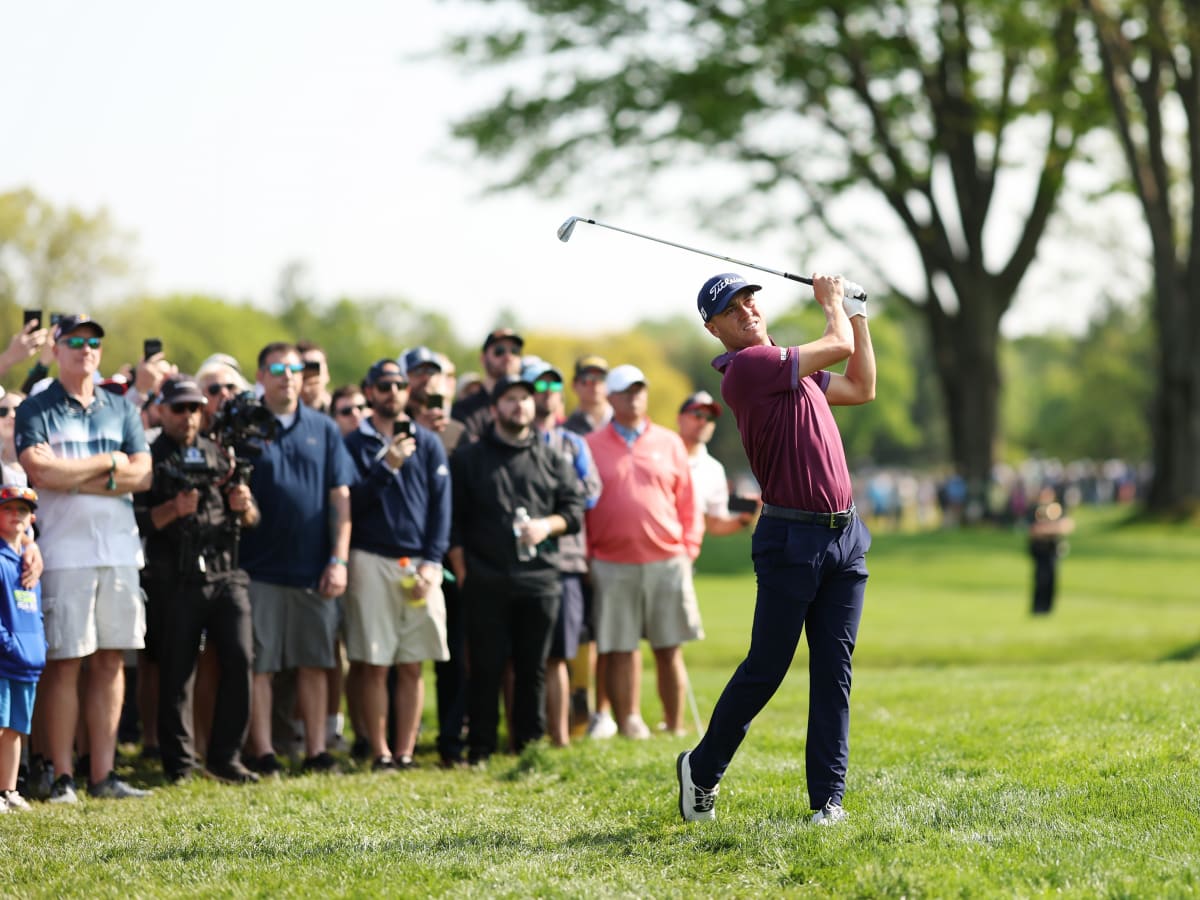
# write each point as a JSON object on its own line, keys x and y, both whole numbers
{"x": 966, "y": 357}
{"x": 1175, "y": 418}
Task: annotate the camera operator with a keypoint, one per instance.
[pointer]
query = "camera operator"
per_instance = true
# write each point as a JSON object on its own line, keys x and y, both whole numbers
{"x": 190, "y": 518}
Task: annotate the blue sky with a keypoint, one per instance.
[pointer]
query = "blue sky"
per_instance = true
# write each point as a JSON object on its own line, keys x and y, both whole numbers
{"x": 232, "y": 138}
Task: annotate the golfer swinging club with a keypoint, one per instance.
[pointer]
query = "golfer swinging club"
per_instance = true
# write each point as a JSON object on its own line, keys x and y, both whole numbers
{"x": 809, "y": 546}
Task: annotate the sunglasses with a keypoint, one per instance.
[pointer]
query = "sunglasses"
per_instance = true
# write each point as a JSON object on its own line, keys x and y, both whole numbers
{"x": 185, "y": 408}
{"x": 542, "y": 386}
{"x": 78, "y": 343}
{"x": 590, "y": 377}
{"x": 398, "y": 384}
{"x": 702, "y": 414}
{"x": 349, "y": 410}
{"x": 18, "y": 492}
{"x": 504, "y": 350}
{"x": 216, "y": 388}
{"x": 285, "y": 368}
{"x": 6, "y": 411}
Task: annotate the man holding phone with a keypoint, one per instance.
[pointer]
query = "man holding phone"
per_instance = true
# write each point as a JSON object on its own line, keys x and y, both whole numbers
{"x": 26, "y": 342}
{"x": 395, "y": 613}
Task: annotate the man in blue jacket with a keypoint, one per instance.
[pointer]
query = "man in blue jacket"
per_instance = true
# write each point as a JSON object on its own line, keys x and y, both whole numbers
{"x": 395, "y": 611}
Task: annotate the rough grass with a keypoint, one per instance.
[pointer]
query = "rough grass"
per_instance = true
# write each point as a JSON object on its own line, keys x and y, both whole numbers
{"x": 993, "y": 755}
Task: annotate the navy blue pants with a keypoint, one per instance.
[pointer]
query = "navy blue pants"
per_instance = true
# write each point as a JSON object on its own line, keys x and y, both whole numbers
{"x": 812, "y": 579}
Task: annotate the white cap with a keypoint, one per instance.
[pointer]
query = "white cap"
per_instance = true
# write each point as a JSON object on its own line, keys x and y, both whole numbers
{"x": 624, "y": 377}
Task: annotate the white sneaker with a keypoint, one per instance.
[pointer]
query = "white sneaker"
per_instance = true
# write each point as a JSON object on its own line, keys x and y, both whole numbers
{"x": 829, "y": 814}
{"x": 602, "y": 726}
{"x": 63, "y": 790}
{"x": 11, "y": 800}
{"x": 635, "y": 729}
{"x": 696, "y": 804}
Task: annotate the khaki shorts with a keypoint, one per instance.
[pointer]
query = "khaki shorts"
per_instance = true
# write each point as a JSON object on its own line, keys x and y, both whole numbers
{"x": 92, "y": 609}
{"x": 293, "y": 628}
{"x": 655, "y": 601}
{"x": 385, "y": 625}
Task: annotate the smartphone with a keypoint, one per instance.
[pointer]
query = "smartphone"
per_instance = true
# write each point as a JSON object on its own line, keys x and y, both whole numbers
{"x": 312, "y": 367}
{"x": 740, "y": 504}
{"x": 30, "y": 315}
{"x": 151, "y": 346}
{"x": 435, "y": 401}
{"x": 403, "y": 427}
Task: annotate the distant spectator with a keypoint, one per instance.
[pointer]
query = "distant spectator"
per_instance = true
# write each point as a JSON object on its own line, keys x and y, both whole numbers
{"x": 314, "y": 390}
{"x": 85, "y": 451}
{"x": 12, "y": 471}
{"x": 642, "y": 537}
{"x": 1049, "y": 526}
{"x": 395, "y": 613}
{"x": 219, "y": 380}
{"x": 501, "y": 357}
{"x": 348, "y": 407}
{"x": 469, "y": 384}
{"x": 22, "y": 640}
{"x": 297, "y": 556}
{"x": 507, "y": 563}
{"x": 697, "y": 421}
{"x": 589, "y": 385}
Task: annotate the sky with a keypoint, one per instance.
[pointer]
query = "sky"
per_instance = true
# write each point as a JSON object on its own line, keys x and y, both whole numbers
{"x": 233, "y": 138}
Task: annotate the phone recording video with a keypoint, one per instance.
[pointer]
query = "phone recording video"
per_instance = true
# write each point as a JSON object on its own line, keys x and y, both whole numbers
{"x": 30, "y": 315}
{"x": 151, "y": 346}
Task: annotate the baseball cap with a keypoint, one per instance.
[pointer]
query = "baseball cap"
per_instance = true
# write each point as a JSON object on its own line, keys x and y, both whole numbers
{"x": 508, "y": 382}
{"x": 181, "y": 389}
{"x": 11, "y": 492}
{"x": 718, "y": 291}
{"x": 381, "y": 368}
{"x": 584, "y": 363}
{"x": 420, "y": 356}
{"x": 503, "y": 334}
{"x": 534, "y": 367}
{"x": 624, "y": 377}
{"x": 701, "y": 400}
{"x": 67, "y": 324}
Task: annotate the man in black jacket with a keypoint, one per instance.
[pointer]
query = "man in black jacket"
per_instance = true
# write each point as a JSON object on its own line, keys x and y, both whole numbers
{"x": 192, "y": 577}
{"x": 512, "y": 495}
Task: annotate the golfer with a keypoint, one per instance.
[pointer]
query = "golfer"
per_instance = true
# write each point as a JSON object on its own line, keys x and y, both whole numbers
{"x": 809, "y": 546}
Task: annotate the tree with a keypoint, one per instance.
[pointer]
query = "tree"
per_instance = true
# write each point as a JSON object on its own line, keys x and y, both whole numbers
{"x": 924, "y": 104}
{"x": 1149, "y": 53}
{"x": 54, "y": 259}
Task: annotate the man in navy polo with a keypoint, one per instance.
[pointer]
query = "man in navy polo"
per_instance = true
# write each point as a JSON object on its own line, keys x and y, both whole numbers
{"x": 296, "y": 557}
{"x": 809, "y": 547}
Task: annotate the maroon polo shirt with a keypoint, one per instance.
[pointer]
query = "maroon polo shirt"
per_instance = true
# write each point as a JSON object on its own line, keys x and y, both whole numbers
{"x": 787, "y": 427}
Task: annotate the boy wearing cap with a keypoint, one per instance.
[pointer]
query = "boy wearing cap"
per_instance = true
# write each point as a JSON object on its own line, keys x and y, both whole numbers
{"x": 809, "y": 546}
{"x": 589, "y": 385}
{"x": 22, "y": 640}
{"x": 85, "y": 451}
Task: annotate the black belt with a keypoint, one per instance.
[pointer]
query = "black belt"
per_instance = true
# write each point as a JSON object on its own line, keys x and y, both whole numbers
{"x": 828, "y": 519}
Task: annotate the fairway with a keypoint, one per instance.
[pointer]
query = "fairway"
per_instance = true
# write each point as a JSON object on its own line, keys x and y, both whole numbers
{"x": 992, "y": 755}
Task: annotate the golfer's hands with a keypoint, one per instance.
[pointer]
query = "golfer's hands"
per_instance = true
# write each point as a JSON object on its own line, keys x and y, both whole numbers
{"x": 828, "y": 291}
{"x": 854, "y": 307}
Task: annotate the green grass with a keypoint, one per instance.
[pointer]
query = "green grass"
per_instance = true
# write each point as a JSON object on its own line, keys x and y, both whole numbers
{"x": 993, "y": 755}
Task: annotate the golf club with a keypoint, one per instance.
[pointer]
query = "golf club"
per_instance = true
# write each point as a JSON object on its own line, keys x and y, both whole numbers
{"x": 852, "y": 290}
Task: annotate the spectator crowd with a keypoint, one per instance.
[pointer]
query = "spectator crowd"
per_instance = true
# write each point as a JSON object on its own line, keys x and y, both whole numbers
{"x": 271, "y": 555}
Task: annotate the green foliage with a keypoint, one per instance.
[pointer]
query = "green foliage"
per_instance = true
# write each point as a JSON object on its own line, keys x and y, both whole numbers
{"x": 1083, "y": 398}
{"x": 992, "y": 755}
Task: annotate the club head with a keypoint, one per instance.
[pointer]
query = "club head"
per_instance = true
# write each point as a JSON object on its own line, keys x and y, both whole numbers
{"x": 565, "y": 229}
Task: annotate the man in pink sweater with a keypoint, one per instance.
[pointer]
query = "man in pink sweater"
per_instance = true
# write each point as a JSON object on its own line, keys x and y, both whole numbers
{"x": 642, "y": 537}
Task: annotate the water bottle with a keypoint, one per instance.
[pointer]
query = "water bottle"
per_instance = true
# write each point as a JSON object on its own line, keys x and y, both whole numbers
{"x": 525, "y": 552}
{"x": 408, "y": 573}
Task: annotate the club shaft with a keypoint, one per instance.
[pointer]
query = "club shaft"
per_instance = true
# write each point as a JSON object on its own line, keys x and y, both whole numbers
{"x": 740, "y": 262}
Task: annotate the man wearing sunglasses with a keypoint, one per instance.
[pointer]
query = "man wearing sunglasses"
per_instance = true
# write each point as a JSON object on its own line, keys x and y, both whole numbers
{"x": 85, "y": 452}
{"x": 193, "y": 584}
{"x": 697, "y": 421}
{"x": 297, "y": 556}
{"x": 501, "y": 358}
{"x": 401, "y": 511}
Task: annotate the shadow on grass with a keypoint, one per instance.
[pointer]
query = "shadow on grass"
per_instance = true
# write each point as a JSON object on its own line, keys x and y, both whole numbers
{"x": 1186, "y": 653}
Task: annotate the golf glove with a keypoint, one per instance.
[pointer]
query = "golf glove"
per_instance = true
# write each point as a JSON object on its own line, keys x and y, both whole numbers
{"x": 854, "y": 307}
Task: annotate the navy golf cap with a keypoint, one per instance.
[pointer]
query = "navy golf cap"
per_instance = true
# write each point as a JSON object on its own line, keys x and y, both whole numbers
{"x": 420, "y": 356}
{"x": 718, "y": 291}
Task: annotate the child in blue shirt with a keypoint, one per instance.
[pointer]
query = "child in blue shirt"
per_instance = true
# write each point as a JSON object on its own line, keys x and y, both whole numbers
{"x": 22, "y": 640}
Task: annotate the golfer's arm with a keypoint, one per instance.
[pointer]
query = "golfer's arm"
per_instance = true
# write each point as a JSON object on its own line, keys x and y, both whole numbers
{"x": 857, "y": 385}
